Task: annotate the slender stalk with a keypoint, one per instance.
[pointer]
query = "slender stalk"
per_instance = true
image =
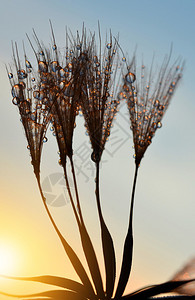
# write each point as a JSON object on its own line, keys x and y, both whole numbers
{"x": 128, "y": 246}
{"x": 87, "y": 244}
{"x": 70, "y": 195}
{"x": 76, "y": 189}
{"x": 107, "y": 244}
{"x": 70, "y": 252}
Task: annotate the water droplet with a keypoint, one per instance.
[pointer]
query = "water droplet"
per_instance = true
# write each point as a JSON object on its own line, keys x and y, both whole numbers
{"x": 124, "y": 59}
{"x": 22, "y": 74}
{"x": 23, "y": 85}
{"x": 41, "y": 53}
{"x": 130, "y": 77}
{"x": 62, "y": 72}
{"x": 45, "y": 139}
{"x": 60, "y": 162}
{"x": 17, "y": 91}
{"x": 54, "y": 47}
{"x": 33, "y": 117}
{"x": 28, "y": 100}
{"x": 70, "y": 67}
{"x": 97, "y": 64}
{"x": 126, "y": 88}
{"x": 52, "y": 128}
{"x": 62, "y": 84}
{"x": 173, "y": 84}
{"x": 15, "y": 101}
{"x": 106, "y": 72}
{"x": 134, "y": 155}
{"x": 79, "y": 46}
{"x": 145, "y": 119}
{"x": 54, "y": 66}
{"x": 156, "y": 103}
{"x": 54, "y": 133}
{"x": 28, "y": 147}
{"x": 36, "y": 94}
{"x": 109, "y": 46}
{"x": 142, "y": 143}
{"x": 161, "y": 107}
{"x": 95, "y": 157}
{"x": 10, "y": 75}
{"x": 170, "y": 91}
{"x": 43, "y": 67}
{"x": 159, "y": 124}
{"x": 33, "y": 79}
{"x": 28, "y": 64}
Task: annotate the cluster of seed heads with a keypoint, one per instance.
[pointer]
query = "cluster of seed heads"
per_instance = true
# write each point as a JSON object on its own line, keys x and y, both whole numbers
{"x": 87, "y": 80}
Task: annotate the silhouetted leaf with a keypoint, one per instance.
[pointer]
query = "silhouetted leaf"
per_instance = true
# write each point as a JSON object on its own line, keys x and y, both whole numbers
{"x": 69, "y": 251}
{"x": 92, "y": 261}
{"x": 57, "y": 281}
{"x": 109, "y": 259}
{"x": 126, "y": 264}
{"x": 154, "y": 290}
{"x": 54, "y": 295}
{"x": 128, "y": 247}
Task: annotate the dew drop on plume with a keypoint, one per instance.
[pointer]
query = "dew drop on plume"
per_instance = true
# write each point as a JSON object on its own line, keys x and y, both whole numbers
{"x": 10, "y": 75}
{"x": 22, "y": 74}
{"x": 130, "y": 77}
{"x": 45, "y": 139}
{"x": 16, "y": 90}
{"x": 15, "y": 101}
{"x": 28, "y": 64}
{"x": 43, "y": 66}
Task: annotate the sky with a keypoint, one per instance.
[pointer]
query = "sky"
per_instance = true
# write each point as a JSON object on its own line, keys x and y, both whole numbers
{"x": 164, "y": 205}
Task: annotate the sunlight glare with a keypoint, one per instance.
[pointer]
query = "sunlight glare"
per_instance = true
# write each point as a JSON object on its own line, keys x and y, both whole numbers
{"x": 7, "y": 260}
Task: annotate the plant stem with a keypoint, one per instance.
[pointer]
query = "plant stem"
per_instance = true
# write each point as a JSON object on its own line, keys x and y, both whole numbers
{"x": 87, "y": 244}
{"x": 70, "y": 195}
{"x": 76, "y": 189}
{"x": 128, "y": 246}
{"x": 107, "y": 244}
{"x": 70, "y": 252}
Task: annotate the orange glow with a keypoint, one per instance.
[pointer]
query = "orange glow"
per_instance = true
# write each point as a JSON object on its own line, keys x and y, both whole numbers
{"x": 8, "y": 259}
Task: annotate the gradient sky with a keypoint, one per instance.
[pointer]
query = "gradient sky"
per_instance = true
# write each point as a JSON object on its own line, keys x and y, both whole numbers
{"x": 164, "y": 207}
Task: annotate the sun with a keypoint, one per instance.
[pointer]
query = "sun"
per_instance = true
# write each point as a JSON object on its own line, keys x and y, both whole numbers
{"x": 7, "y": 259}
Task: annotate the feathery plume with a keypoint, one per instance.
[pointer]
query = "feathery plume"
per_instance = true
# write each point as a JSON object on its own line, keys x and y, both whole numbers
{"x": 99, "y": 98}
{"x": 33, "y": 100}
{"x": 148, "y": 96}
{"x": 68, "y": 83}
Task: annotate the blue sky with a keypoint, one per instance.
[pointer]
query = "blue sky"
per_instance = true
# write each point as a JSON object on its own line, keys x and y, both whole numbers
{"x": 164, "y": 207}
